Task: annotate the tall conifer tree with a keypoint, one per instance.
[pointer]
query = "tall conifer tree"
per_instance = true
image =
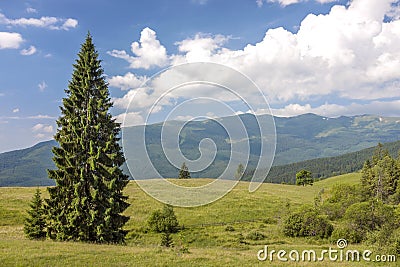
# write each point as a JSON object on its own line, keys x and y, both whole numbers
{"x": 87, "y": 201}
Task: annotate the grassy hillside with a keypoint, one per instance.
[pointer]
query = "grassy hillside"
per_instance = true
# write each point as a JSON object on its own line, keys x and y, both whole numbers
{"x": 205, "y": 230}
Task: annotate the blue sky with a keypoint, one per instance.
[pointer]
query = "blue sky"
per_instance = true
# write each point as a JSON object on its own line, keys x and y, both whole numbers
{"x": 322, "y": 56}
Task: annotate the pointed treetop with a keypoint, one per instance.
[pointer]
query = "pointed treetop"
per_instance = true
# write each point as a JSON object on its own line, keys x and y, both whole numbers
{"x": 89, "y": 38}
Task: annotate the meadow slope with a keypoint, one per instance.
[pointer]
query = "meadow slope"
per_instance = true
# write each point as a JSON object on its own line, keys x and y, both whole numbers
{"x": 205, "y": 230}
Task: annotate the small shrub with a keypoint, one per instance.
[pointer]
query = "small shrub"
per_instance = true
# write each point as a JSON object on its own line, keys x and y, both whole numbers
{"x": 229, "y": 228}
{"x": 256, "y": 235}
{"x": 334, "y": 211}
{"x": 304, "y": 178}
{"x": 162, "y": 221}
{"x": 35, "y": 223}
{"x": 364, "y": 217}
{"x": 316, "y": 225}
{"x": 381, "y": 237}
{"x": 307, "y": 222}
{"x": 293, "y": 225}
{"x": 166, "y": 240}
{"x": 350, "y": 234}
{"x": 270, "y": 220}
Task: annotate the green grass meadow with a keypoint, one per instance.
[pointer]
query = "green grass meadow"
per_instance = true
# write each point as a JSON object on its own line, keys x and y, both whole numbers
{"x": 218, "y": 234}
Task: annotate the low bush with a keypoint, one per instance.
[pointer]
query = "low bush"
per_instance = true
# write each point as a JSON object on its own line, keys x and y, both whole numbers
{"x": 163, "y": 221}
{"x": 229, "y": 228}
{"x": 307, "y": 222}
{"x": 255, "y": 235}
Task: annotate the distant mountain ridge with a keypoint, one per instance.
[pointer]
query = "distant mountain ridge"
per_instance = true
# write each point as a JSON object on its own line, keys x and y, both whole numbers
{"x": 322, "y": 168}
{"x": 27, "y": 167}
{"x": 299, "y": 138}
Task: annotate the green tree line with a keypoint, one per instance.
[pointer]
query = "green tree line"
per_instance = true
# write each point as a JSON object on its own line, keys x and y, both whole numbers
{"x": 322, "y": 168}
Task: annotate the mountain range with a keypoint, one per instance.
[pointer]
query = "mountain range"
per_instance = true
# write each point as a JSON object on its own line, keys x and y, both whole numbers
{"x": 299, "y": 139}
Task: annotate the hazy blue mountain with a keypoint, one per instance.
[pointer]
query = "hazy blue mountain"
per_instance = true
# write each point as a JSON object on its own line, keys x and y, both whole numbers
{"x": 27, "y": 167}
{"x": 299, "y": 138}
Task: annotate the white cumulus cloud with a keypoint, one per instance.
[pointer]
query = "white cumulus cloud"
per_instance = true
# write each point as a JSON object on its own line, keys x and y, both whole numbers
{"x": 42, "y": 128}
{"x": 31, "y": 10}
{"x": 384, "y": 108}
{"x": 69, "y": 23}
{"x": 148, "y": 52}
{"x": 42, "y": 131}
{"x": 137, "y": 99}
{"x": 199, "y": 48}
{"x": 52, "y": 23}
{"x": 351, "y": 53}
{"x": 285, "y": 2}
{"x": 40, "y": 116}
{"x": 28, "y": 51}
{"x": 10, "y": 40}
{"x": 126, "y": 82}
{"x": 129, "y": 119}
